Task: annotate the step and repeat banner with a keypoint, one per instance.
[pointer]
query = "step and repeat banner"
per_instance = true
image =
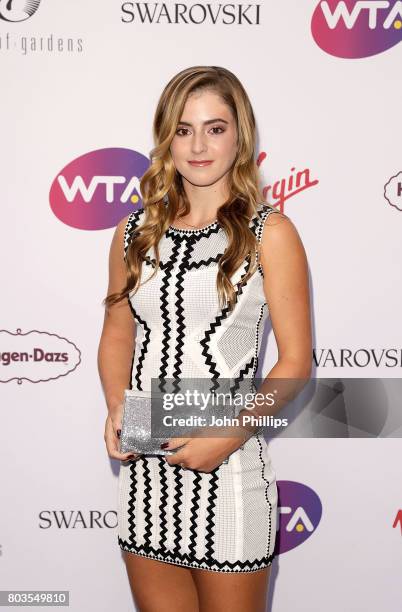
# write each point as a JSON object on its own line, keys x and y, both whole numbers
{"x": 80, "y": 82}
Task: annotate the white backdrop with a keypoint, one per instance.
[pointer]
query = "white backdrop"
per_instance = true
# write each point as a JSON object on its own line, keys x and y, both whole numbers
{"x": 334, "y": 117}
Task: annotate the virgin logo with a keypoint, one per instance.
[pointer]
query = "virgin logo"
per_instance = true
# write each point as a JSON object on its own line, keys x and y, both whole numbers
{"x": 355, "y": 29}
{"x": 285, "y": 188}
{"x": 398, "y": 520}
{"x": 96, "y": 190}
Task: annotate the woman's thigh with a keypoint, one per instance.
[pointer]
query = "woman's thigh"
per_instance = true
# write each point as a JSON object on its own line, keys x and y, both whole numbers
{"x": 237, "y": 592}
{"x": 160, "y": 587}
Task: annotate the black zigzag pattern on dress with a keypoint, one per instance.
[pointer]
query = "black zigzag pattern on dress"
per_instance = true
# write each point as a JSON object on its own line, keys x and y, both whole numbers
{"x": 144, "y": 349}
{"x": 129, "y": 233}
{"x": 164, "y": 301}
{"x": 185, "y": 559}
{"x": 151, "y": 261}
{"x": 190, "y": 265}
{"x": 215, "y": 324}
{"x": 204, "y": 262}
{"x": 253, "y": 361}
{"x": 209, "y": 521}
{"x": 147, "y": 503}
{"x": 178, "y": 352}
{"x": 129, "y": 230}
{"x": 195, "y": 506}
{"x": 163, "y": 503}
{"x": 133, "y": 355}
{"x": 241, "y": 375}
{"x": 192, "y": 239}
{"x": 177, "y": 506}
{"x": 131, "y": 502}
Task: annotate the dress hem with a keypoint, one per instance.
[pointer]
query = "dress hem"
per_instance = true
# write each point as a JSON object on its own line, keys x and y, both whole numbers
{"x": 197, "y": 564}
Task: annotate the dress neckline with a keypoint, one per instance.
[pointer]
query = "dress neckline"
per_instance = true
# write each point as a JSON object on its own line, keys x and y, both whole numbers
{"x": 194, "y": 231}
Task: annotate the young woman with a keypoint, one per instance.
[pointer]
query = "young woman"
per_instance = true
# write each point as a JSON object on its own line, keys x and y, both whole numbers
{"x": 191, "y": 275}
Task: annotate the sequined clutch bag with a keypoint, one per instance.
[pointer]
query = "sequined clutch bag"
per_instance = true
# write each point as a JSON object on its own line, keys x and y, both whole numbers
{"x": 136, "y": 433}
{"x": 136, "y": 426}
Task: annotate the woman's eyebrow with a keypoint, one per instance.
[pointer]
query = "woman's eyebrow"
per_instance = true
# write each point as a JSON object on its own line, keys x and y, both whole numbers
{"x": 205, "y": 122}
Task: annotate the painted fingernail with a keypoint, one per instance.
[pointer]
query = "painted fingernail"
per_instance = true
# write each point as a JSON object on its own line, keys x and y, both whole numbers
{"x": 118, "y": 433}
{"x": 164, "y": 444}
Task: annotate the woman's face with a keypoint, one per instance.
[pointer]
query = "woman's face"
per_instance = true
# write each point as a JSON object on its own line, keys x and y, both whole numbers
{"x": 206, "y": 131}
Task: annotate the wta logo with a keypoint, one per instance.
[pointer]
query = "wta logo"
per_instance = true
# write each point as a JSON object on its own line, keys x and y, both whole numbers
{"x": 96, "y": 190}
{"x": 300, "y": 512}
{"x": 359, "y": 29}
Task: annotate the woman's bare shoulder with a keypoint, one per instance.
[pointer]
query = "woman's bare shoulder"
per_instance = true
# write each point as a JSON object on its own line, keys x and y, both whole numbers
{"x": 280, "y": 238}
{"x": 276, "y": 217}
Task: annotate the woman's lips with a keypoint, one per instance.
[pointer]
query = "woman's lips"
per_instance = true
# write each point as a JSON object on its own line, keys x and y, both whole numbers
{"x": 200, "y": 164}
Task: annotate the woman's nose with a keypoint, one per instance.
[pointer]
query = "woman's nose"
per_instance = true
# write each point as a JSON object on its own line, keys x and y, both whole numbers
{"x": 198, "y": 143}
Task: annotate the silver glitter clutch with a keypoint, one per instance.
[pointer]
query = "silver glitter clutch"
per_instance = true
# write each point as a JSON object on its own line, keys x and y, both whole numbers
{"x": 136, "y": 426}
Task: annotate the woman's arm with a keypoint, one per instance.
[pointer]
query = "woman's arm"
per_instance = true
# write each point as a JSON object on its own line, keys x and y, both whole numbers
{"x": 286, "y": 287}
{"x": 116, "y": 346}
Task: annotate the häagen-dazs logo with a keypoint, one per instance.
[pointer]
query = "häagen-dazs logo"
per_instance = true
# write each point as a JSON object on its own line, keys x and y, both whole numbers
{"x": 96, "y": 190}
{"x": 393, "y": 191}
{"x": 300, "y": 511}
{"x": 355, "y": 29}
{"x": 18, "y": 10}
{"x": 36, "y": 356}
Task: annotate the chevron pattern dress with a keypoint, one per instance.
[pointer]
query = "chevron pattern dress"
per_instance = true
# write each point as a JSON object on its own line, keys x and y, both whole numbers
{"x": 224, "y": 520}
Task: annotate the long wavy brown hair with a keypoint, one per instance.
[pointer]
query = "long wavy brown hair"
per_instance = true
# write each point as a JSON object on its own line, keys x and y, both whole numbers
{"x": 161, "y": 181}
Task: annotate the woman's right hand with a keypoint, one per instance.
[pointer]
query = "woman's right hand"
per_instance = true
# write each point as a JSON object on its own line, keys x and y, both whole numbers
{"x": 111, "y": 437}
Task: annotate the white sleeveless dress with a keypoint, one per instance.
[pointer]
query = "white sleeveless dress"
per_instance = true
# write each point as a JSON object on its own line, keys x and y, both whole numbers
{"x": 224, "y": 520}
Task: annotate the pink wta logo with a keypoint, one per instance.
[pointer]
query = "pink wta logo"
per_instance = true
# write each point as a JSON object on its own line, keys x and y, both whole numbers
{"x": 354, "y": 29}
{"x": 300, "y": 512}
{"x": 96, "y": 190}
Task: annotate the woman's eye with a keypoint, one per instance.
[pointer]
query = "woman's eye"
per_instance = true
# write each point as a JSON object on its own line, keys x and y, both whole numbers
{"x": 217, "y": 127}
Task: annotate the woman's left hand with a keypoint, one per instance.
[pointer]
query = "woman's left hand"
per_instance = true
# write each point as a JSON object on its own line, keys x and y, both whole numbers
{"x": 202, "y": 453}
